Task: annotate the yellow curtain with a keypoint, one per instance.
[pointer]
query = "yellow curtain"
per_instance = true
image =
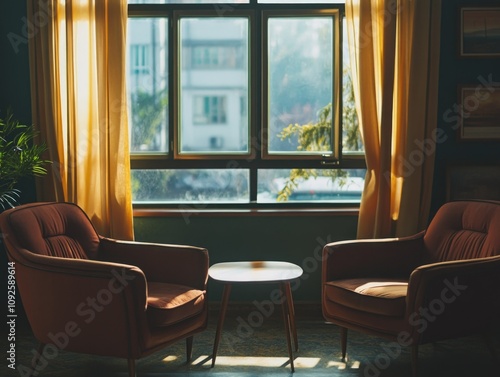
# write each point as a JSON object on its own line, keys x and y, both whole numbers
{"x": 394, "y": 55}
{"x": 77, "y": 62}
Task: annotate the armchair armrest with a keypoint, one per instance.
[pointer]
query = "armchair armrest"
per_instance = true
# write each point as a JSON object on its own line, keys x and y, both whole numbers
{"x": 176, "y": 264}
{"x": 85, "y": 297}
{"x": 455, "y": 298}
{"x": 478, "y": 279}
{"x": 388, "y": 257}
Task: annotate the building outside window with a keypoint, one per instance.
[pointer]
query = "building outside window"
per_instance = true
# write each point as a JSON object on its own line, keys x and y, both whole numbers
{"x": 209, "y": 110}
{"x": 215, "y": 57}
{"x": 245, "y": 103}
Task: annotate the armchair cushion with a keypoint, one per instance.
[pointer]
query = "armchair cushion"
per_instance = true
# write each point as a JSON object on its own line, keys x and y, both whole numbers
{"x": 377, "y": 296}
{"x": 172, "y": 303}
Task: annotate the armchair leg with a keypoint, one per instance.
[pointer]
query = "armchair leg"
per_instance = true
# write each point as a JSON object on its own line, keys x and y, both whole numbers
{"x": 189, "y": 348}
{"x": 131, "y": 368}
{"x": 414, "y": 360}
{"x": 343, "y": 341}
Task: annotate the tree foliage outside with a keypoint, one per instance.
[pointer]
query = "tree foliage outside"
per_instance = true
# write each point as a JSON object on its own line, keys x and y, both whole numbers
{"x": 299, "y": 83}
{"x": 149, "y": 112}
{"x": 20, "y": 157}
{"x": 157, "y": 184}
{"x": 316, "y": 137}
{"x": 351, "y": 141}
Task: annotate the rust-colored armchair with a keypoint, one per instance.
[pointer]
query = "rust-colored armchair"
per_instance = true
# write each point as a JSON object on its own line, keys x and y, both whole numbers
{"x": 438, "y": 284}
{"x": 86, "y": 293}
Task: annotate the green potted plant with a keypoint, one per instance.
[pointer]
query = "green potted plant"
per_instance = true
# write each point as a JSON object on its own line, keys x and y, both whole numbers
{"x": 20, "y": 157}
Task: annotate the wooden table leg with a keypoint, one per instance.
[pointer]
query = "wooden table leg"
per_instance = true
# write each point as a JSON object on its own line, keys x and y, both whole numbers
{"x": 286, "y": 319}
{"x": 291, "y": 313}
{"x": 222, "y": 315}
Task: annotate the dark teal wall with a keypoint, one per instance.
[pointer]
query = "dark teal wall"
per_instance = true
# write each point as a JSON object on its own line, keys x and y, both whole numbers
{"x": 14, "y": 71}
{"x": 15, "y": 81}
{"x": 293, "y": 238}
{"x": 454, "y": 71}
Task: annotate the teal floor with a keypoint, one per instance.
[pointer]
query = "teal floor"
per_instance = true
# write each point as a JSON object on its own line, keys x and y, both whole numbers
{"x": 260, "y": 349}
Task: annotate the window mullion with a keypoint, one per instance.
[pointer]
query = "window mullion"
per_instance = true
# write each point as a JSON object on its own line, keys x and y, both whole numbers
{"x": 253, "y": 185}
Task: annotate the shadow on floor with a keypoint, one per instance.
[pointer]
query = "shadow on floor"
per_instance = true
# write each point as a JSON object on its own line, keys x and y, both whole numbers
{"x": 258, "y": 348}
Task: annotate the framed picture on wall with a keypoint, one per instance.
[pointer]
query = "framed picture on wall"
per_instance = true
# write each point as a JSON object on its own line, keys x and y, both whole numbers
{"x": 479, "y": 115}
{"x": 480, "y": 31}
{"x": 473, "y": 182}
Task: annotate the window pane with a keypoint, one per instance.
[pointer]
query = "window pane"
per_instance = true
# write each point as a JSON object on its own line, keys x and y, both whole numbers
{"x": 188, "y": 2}
{"x": 306, "y": 185}
{"x": 300, "y": 69}
{"x": 351, "y": 137}
{"x": 147, "y": 84}
{"x": 301, "y": 1}
{"x": 190, "y": 186}
{"x": 214, "y": 85}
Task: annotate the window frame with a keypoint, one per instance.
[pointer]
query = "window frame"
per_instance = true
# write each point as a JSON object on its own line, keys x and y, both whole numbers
{"x": 175, "y": 147}
{"x": 255, "y": 159}
{"x": 336, "y": 89}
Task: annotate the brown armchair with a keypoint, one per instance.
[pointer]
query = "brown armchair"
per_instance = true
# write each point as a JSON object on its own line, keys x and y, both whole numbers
{"x": 86, "y": 293}
{"x": 441, "y": 283}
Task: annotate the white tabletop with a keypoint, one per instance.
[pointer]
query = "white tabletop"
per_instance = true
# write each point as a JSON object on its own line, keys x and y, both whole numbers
{"x": 254, "y": 271}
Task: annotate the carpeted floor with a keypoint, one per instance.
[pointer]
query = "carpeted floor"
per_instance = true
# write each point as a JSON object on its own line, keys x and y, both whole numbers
{"x": 251, "y": 348}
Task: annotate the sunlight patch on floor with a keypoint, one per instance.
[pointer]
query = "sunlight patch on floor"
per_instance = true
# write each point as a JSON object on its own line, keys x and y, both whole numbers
{"x": 244, "y": 361}
{"x": 306, "y": 362}
{"x": 170, "y": 358}
{"x": 247, "y": 361}
{"x": 355, "y": 365}
{"x": 340, "y": 365}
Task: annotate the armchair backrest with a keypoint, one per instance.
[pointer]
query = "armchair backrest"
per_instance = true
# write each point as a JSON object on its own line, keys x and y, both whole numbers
{"x": 464, "y": 230}
{"x": 51, "y": 229}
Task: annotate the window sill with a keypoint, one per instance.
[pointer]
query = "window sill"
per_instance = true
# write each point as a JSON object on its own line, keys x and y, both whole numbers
{"x": 226, "y": 212}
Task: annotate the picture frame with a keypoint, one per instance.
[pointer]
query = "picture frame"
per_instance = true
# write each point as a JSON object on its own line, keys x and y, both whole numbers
{"x": 471, "y": 181}
{"x": 479, "y": 112}
{"x": 480, "y": 31}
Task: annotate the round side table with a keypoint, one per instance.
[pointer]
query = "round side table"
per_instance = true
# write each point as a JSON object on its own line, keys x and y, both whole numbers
{"x": 253, "y": 272}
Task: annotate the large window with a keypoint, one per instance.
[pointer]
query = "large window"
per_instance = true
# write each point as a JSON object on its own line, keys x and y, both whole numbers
{"x": 241, "y": 102}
